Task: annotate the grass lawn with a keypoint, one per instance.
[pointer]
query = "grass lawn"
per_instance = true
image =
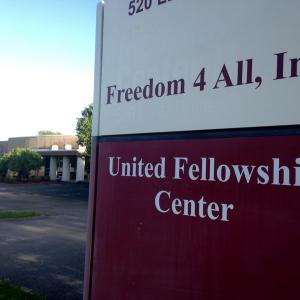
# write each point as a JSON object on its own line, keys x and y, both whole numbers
{"x": 18, "y": 214}
{"x": 9, "y": 291}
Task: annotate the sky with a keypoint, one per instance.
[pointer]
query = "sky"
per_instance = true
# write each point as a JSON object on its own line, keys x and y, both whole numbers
{"x": 46, "y": 64}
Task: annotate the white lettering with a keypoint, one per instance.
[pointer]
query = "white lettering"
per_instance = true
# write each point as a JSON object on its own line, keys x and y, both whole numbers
{"x": 277, "y": 170}
{"x": 226, "y": 173}
{"x": 245, "y": 171}
{"x": 111, "y": 166}
{"x": 297, "y": 175}
{"x": 157, "y": 201}
{"x": 185, "y": 207}
{"x": 262, "y": 172}
{"x": 179, "y": 167}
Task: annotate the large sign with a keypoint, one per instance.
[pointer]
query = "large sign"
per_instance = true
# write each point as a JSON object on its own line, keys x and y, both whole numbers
{"x": 190, "y": 65}
{"x": 178, "y": 211}
{"x": 197, "y": 219}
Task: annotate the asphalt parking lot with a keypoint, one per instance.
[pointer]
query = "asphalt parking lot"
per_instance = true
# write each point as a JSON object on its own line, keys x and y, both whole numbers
{"x": 45, "y": 254}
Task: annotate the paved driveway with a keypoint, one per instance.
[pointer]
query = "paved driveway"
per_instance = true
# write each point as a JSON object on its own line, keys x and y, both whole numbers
{"x": 45, "y": 254}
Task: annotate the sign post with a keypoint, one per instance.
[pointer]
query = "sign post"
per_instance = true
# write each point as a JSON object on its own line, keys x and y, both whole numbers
{"x": 196, "y": 157}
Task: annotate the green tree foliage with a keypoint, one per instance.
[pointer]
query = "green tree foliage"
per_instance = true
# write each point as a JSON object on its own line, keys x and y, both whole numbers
{"x": 84, "y": 128}
{"x": 23, "y": 161}
{"x": 48, "y": 132}
{"x": 4, "y": 164}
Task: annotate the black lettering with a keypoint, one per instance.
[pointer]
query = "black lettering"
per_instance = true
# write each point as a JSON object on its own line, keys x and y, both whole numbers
{"x": 128, "y": 93}
{"x": 294, "y": 67}
{"x": 110, "y": 93}
{"x": 137, "y": 92}
{"x": 280, "y": 66}
{"x": 249, "y": 71}
{"x": 173, "y": 87}
{"x": 148, "y": 90}
{"x": 224, "y": 76}
{"x": 120, "y": 95}
{"x": 240, "y": 73}
{"x": 160, "y": 89}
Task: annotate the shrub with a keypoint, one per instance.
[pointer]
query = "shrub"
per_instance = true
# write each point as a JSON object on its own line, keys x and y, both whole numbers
{"x": 4, "y": 164}
{"x": 22, "y": 161}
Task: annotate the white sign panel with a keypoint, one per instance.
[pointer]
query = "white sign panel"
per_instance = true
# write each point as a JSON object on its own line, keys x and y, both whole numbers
{"x": 181, "y": 65}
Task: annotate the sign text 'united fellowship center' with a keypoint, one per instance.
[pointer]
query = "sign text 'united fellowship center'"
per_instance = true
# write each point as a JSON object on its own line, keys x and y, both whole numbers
{"x": 196, "y": 168}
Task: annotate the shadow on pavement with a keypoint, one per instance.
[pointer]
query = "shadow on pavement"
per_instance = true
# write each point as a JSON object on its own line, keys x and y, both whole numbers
{"x": 45, "y": 254}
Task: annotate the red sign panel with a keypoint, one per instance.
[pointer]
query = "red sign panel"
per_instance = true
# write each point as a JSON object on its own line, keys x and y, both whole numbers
{"x": 197, "y": 219}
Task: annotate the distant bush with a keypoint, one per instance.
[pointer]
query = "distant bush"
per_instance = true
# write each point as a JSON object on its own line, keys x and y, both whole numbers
{"x": 4, "y": 164}
{"x": 20, "y": 161}
{"x": 48, "y": 132}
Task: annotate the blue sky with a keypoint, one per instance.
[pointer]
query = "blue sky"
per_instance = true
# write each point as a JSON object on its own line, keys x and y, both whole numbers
{"x": 46, "y": 64}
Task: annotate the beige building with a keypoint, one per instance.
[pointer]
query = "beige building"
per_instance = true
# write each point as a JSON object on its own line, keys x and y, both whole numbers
{"x": 62, "y": 155}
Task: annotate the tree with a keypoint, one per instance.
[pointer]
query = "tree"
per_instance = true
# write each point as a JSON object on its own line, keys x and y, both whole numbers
{"x": 23, "y": 161}
{"x": 4, "y": 164}
{"x": 84, "y": 128}
{"x": 48, "y": 132}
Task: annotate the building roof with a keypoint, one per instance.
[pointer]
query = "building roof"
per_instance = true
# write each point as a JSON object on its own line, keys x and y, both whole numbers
{"x": 41, "y": 143}
{"x": 62, "y": 152}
